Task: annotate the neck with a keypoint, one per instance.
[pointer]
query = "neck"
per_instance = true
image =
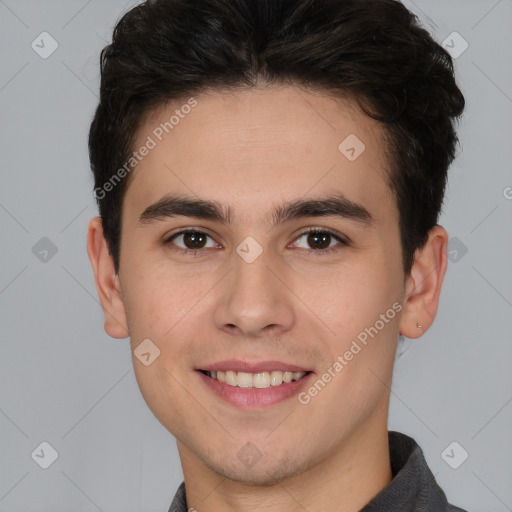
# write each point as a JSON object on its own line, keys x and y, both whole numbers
{"x": 346, "y": 481}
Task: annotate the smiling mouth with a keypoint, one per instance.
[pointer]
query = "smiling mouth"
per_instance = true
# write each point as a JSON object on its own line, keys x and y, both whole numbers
{"x": 260, "y": 380}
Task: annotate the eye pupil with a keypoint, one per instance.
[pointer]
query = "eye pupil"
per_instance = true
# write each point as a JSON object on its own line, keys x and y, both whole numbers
{"x": 197, "y": 239}
{"x": 194, "y": 241}
{"x": 325, "y": 239}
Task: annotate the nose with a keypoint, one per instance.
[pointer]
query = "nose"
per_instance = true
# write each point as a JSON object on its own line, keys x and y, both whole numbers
{"x": 254, "y": 299}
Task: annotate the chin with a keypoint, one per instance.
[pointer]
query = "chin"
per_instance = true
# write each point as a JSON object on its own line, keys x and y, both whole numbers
{"x": 261, "y": 473}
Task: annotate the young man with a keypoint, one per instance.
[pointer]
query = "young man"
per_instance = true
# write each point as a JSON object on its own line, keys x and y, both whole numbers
{"x": 269, "y": 175}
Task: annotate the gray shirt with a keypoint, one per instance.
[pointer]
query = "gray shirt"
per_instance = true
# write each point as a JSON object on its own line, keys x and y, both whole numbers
{"x": 413, "y": 488}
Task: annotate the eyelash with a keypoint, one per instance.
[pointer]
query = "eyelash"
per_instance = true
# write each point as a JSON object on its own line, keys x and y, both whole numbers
{"x": 317, "y": 252}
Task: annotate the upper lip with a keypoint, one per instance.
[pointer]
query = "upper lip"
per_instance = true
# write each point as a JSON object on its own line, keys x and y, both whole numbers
{"x": 256, "y": 367}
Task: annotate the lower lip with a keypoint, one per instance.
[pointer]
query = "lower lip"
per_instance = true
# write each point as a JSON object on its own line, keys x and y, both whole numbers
{"x": 255, "y": 398}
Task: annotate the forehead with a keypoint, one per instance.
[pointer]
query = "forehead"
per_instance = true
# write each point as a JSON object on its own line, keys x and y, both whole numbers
{"x": 251, "y": 147}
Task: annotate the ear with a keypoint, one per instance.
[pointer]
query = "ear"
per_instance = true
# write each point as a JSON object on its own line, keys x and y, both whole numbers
{"x": 423, "y": 285}
{"x": 107, "y": 281}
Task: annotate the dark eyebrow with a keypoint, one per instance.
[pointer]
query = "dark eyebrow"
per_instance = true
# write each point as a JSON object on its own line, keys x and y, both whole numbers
{"x": 334, "y": 205}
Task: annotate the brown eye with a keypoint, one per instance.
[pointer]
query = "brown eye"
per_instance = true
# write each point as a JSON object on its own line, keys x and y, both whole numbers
{"x": 319, "y": 239}
{"x": 190, "y": 240}
{"x": 194, "y": 240}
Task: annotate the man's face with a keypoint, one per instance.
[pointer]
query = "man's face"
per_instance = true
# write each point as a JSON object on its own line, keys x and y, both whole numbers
{"x": 302, "y": 301}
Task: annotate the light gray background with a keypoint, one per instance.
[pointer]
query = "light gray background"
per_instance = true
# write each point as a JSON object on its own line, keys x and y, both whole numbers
{"x": 64, "y": 381}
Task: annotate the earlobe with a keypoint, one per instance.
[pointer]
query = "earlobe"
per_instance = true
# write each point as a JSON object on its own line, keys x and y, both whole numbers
{"x": 107, "y": 281}
{"x": 423, "y": 285}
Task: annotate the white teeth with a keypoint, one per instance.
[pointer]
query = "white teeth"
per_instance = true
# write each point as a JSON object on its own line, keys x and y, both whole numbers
{"x": 259, "y": 380}
{"x": 244, "y": 380}
{"x": 231, "y": 378}
{"x": 276, "y": 378}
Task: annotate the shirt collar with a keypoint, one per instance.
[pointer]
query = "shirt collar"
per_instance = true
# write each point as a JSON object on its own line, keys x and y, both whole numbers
{"x": 413, "y": 486}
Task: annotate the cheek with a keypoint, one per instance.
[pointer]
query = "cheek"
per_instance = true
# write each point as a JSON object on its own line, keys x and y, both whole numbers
{"x": 157, "y": 295}
{"x": 173, "y": 310}
{"x": 356, "y": 303}
{"x": 360, "y": 289}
